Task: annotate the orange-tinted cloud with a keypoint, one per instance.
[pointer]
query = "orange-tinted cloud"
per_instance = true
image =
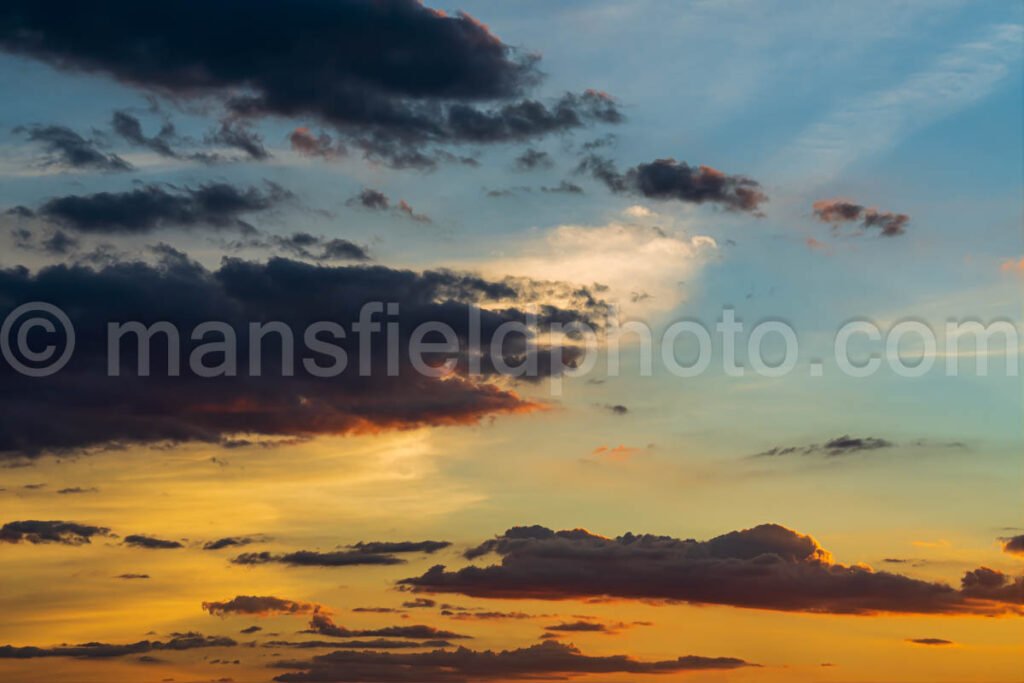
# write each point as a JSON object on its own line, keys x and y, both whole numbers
{"x": 260, "y": 605}
{"x": 766, "y": 567}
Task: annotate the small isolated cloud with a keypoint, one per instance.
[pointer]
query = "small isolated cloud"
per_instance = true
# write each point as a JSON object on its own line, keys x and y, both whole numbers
{"x": 310, "y": 558}
{"x": 1013, "y": 544}
{"x": 260, "y": 605}
{"x": 132, "y": 577}
{"x": 839, "y": 446}
{"x": 67, "y": 149}
{"x": 564, "y": 187}
{"x": 322, "y": 624}
{"x": 237, "y": 134}
{"x": 305, "y": 245}
{"x": 1012, "y": 266}
{"x": 839, "y": 211}
{"x": 151, "y": 543}
{"x": 668, "y": 179}
{"x": 533, "y": 159}
{"x": 65, "y": 533}
{"x": 375, "y": 200}
{"x": 930, "y": 641}
{"x": 400, "y": 546}
{"x": 229, "y": 542}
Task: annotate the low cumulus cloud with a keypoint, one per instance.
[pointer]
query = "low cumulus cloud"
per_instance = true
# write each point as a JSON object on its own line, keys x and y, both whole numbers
{"x": 260, "y": 605}
{"x": 230, "y": 542}
{"x": 766, "y": 567}
{"x": 1013, "y": 544}
{"x": 178, "y": 642}
{"x": 375, "y": 200}
{"x": 36, "y": 531}
{"x": 548, "y": 660}
{"x": 66, "y": 148}
{"x": 668, "y": 179}
{"x": 452, "y": 82}
{"x": 83, "y": 406}
{"x": 839, "y": 211}
{"x": 151, "y": 207}
{"x": 151, "y": 543}
{"x": 323, "y": 625}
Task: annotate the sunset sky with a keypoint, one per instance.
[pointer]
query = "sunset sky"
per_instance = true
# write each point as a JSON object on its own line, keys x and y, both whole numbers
{"x": 592, "y": 162}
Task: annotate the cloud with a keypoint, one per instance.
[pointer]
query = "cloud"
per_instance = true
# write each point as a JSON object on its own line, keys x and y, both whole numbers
{"x": 766, "y": 567}
{"x": 548, "y": 660}
{"x": 533, "y": 159}
{"x": 238, "y": 135}
{"x": 35, "y": 532}
{"x": 400, "y": 546}
{"x": 452, "y": 81}
{"x": 616, "y": 409}
{"x": 322, "y": 145}
{"x": 84, "y": 406}
{"x": 639, "y": 268}
{"x": 310, "y": 558}
{"x": 837, "y": 211}
{"x": 1013, "y": 544}
{"x": 668, "y": 179}
{"x": 420, "y": 603}
{"x": 260, "y": 605}
{"x": 130, "y": 577}
{"x": 302, "y": 244}
{"x": 930, "y": 641}
{"x": 130, "y": 128}
{"x": 178, "y": 642}
{"x": 375, "y": 644}
{"x": 151, "y": 543}
{"x": 837, "y": 447}
{"x": 375, "y": 200}
{"x": 1012, "y": 266}
{"x": 322, "y": 624}
{"x": 153, "y": 207}
{"x": 564, "y": 187}
{"x": 69, "y": 149}
{"x": 77, "y": 489}
{"x": 229, "y": 542}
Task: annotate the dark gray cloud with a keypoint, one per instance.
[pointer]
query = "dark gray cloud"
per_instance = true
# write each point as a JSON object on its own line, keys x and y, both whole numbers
{"x": 152, "y": 207}
{"x": 452, "y": 81}
{"x": 766, "y": 567}
{"x": 375, "y": 644}
{"x": 930, "y": 641}
{"x": 67, "y": 148}
{"x": 151, "y": 543}
{"x": 420, "y": 603}
{"x": 238, "y": 135}
{"x": 130, "y": 128}
{"x": 77, "y": 489}
{"x": 549, "y": 660}
{"x": 668, "y": 179}
{"x": 400, "y": 546}
{"x": 305, "y": 245}
{"x": 533, "y": 159}
{"x": 321, "y": 145}
{"x": 260, "y": 605}
{"x": 323, "y": 625}
{"x": 1013, "y": 544}
{"x": 836, "y": 447}
{"x": 375, "y": 200}
{"x": 311, "y": 558}
{"x": 838, "y": 211}
{"x": 177, "y": 642}
{"x": 36, "y": 531}
{"x": 131, "y": 577}
{"x": 564, "y": 187}
{"x": 229, "y": 542}
{"x": 84, "y": 406}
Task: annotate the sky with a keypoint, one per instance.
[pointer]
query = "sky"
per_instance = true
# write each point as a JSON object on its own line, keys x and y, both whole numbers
{"x": 605, "y": 515}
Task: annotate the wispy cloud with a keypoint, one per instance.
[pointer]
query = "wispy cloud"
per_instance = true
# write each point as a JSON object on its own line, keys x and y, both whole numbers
{"x": 875, "y": 122}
